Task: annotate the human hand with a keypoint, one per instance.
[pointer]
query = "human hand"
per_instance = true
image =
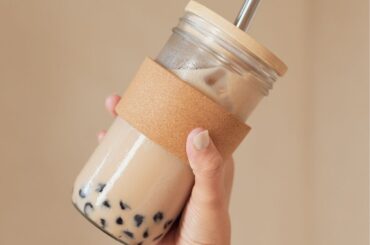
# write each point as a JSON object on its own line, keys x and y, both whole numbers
{"x": 205, "y": 218}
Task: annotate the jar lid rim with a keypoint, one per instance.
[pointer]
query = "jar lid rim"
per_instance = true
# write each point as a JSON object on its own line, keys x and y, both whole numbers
{"x": 245, "y": 40}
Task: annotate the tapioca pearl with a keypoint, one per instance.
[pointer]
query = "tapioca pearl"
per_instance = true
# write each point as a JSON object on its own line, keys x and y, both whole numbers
{"x": 129, "y": 233}
{"x": 88, "y": 208}
{"x": 103, "y": 223}
{"x": 100, "y": 187}
{"x": 138, "y": 219}
{"x": 140, "y": 243}
{"x": 157, "y": 237}
{"x": 167, "y": 224}
{"x": 119, "y": 221}
{"x": 158, "y": 217}
{"x": 124, "y": 205}
{"x": 146, "y": 233}
{"x": 106, "y": 204}
{"x": 82, "y": 192}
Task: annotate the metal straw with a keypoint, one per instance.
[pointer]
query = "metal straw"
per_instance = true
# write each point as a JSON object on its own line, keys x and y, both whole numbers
{"x": 246, "y": 14}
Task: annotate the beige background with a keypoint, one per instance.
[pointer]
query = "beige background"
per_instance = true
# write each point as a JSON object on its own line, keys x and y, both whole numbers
{"x": 302, "y": 173}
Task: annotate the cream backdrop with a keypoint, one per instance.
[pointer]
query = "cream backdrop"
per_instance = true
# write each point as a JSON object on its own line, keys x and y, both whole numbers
{"x": 302, "y": 173}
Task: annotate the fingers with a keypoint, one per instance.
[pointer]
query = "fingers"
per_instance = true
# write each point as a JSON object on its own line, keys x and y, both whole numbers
{"x": 101, "y": 135}
{"x": 111, "y": 102}
{"x": 208, "y": 167}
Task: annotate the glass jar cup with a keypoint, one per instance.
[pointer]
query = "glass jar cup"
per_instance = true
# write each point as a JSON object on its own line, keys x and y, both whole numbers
{"x": 132, "y": 188}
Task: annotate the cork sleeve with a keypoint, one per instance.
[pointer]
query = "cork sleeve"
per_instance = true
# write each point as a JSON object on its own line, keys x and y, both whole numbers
{"x": 165, "y": 109}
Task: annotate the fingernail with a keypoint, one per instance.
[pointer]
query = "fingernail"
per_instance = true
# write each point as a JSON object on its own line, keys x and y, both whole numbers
{"x": 201, "y": 140}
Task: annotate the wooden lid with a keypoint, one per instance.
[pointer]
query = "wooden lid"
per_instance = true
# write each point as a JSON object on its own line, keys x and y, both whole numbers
{"x": 239, "y": 36}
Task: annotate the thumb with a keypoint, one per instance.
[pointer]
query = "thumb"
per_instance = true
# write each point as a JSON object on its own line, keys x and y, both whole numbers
{"x": 208, "y": 168}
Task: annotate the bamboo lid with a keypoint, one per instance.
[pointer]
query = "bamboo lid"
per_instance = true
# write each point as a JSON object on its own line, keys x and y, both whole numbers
{"x": 246, "y": 41}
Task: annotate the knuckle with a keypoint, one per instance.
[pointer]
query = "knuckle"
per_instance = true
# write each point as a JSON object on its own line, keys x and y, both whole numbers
{"x": 209, "y": 165}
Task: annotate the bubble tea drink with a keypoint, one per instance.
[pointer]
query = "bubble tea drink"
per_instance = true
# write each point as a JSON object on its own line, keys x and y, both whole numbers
{"x": 132, "y": 187}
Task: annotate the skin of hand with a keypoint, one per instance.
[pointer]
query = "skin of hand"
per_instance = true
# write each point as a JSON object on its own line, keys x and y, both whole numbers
{"x": 205, "y": 219}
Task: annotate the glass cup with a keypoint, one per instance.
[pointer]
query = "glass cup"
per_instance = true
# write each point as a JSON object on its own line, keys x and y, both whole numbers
{"x": 132, "y": 188}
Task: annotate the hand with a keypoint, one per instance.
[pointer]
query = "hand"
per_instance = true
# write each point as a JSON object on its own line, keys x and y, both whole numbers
{"x": 205, "y": 219}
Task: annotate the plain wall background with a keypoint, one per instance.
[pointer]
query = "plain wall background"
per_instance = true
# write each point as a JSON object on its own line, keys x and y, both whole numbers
{"x": 340, "y": 122}
{"x": 301, "y": 174}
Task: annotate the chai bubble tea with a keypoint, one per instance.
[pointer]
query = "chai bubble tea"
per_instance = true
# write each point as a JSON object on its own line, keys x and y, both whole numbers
{"x": 133, "y": 188}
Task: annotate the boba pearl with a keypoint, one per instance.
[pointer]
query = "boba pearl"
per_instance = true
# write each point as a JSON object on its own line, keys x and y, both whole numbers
{"x": 158, "y": 217}
{"x": 124, "y": 205}
{"x": 128, "y": 233}
{"x": 146, "y": 233}
{"x": 82, "y": 193}
{"x": 88, "y": 208}
{"x": 100, "y": 187}
{"x": 103, "y": 223}
{"x": 138, "y": 219}
{"x": 106, "y": 204}
{"x": 119, "y": 221}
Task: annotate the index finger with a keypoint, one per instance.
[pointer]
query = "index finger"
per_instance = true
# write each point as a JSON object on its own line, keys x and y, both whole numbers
{"x": 111, "y": 102}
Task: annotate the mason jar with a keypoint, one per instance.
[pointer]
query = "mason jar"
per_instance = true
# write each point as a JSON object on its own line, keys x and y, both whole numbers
{"x": 134, "y": 189}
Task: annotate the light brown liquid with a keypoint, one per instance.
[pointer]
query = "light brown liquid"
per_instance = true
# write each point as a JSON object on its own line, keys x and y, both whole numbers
{"x": 139, "y": 178}
{"x": 134, "y": 189}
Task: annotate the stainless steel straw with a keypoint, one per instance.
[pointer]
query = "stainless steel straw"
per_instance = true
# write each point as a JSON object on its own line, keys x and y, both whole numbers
{"x": 246, "y": 14}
